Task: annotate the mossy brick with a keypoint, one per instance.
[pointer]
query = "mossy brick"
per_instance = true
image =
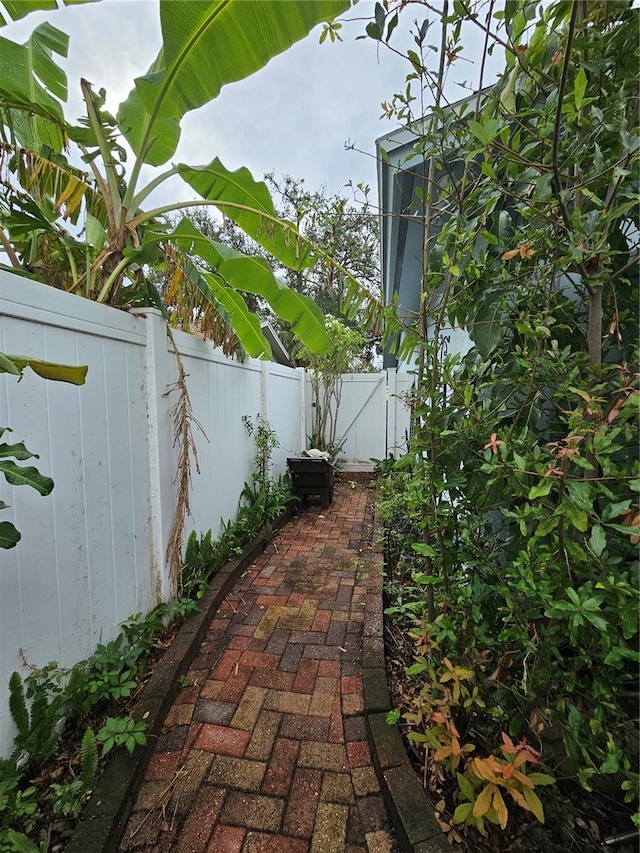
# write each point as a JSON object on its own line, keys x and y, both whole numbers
{"x": 189, "y": 780}
{"x": 96, "y": 833}
{"x": 379, "y": 842}
{"x": 373, "y": 652}
{"x": 337, "y": 788}
{"x": 249, "y": 708}
{"x": 330, "y": 828}
{"x": 263, "y": 736}
{"x": 287, "y": 702}
{"x": 262, "y": 842}
{"x": 141, "y": 832}
{"x": 365, "y": 781}
{"x": 323, "y": 756}
{"x": 253, "y": 811}
{"x": 228, "y": 772}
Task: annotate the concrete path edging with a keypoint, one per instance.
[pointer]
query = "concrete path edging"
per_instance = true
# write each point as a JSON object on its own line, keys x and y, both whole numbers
{"x": 406, "y": 800}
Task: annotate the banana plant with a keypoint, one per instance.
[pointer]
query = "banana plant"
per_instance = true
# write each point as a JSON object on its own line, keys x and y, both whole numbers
{"x": 205, "y": 46}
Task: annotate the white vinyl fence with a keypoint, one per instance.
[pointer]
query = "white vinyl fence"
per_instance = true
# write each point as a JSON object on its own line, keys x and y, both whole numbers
{"x": 93, "y": 552}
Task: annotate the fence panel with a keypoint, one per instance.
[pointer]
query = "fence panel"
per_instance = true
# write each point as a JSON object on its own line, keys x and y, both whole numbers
{"x": 373, "y": 419}
{"x": 82, "y": 565}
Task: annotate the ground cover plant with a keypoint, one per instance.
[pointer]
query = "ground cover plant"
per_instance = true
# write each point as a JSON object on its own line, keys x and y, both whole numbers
{"x": 67, "y": 722}
{"x": 512, "y": 522}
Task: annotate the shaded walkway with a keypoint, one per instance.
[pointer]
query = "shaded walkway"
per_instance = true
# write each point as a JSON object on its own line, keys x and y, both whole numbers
{"x": 265, "y": 749}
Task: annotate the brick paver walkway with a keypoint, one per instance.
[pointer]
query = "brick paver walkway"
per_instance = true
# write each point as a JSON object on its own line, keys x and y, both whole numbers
{"x": 265, "y": 750}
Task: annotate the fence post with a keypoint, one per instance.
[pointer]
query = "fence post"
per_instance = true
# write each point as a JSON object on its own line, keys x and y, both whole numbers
{"x": 264, "y": 402}
{"x": 302, "y": 410}
{"x": 158, "y": 375}
{"x": 392, "y": 410}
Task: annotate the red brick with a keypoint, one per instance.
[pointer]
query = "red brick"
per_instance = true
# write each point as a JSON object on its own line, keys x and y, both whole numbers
{"x": 259, "y": 660}
{"x": 296, "y": 599}
{"x": 321, "y": 621}
{"x": 329, "y": 668}
{"x": 193, "y": 734}
{"x": 162, "y": 766}
{"x": 358, "y": 754}
{"x": 351, "y": 684}
{"x": 226, "y": 839}
{"x": 225, "y": 665}
{"x": 235, "y": 684}
{"x": 223, "y": 740}
{"x": 272, "y": 679}
{"x": 271, "y": 600}
{"x": 306, "y": 676}
{"x": 277, "y": 780}
{"x": 203, "y": 815}
{"x": 188, "y": 695}
{"x": 245, "y": 643}
{"x": 302, "y": 803}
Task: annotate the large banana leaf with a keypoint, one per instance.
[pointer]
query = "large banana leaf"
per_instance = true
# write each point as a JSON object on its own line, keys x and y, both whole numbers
{"x": 230, "y": 303}
{"x": 17, "y": 9}
{"x": 248, "y": 202}
{"x": 16, "y": 364}
{"x": 205, "y": 46}
{"x": 32, "y": 86}
{"x": 253, "y": 275}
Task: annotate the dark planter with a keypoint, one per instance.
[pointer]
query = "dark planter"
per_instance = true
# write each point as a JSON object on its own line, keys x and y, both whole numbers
{"x": 312, "y": 477}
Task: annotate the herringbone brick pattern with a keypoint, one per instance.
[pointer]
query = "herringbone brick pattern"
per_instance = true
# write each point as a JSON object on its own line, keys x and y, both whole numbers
{"x": 265, "y": 750}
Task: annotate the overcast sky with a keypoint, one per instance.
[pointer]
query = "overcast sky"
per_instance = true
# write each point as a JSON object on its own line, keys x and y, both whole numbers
{"x": 294, "y": 116}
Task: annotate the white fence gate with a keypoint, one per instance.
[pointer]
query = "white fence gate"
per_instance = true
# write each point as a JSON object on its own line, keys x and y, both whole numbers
{"x": 93, "y": 552}
{"x": 372, "y": 415}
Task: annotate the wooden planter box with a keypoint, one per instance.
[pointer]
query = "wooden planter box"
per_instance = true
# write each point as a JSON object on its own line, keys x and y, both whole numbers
{"x": 312, "y": 477}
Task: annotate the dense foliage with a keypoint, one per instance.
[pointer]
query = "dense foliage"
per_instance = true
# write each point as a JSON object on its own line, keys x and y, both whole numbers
{"x": 515, "y": 514}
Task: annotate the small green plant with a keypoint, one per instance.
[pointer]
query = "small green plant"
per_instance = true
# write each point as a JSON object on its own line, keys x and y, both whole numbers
{"x": 266, "y": 441}
{"x": 38, "y": 724}
{"x": 68, "y": 798}
{"x": 111, "y": 672}
{"x": 12, "y": 841}
{"x": 122, "y": 731}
